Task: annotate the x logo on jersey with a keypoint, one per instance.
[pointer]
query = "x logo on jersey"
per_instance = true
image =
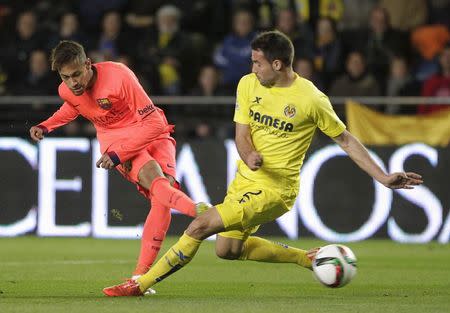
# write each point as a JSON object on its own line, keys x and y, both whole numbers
{"x": 257, "y": 99}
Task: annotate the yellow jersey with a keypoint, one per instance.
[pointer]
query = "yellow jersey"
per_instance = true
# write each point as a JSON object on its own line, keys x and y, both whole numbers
{"x": 282, "y": 122}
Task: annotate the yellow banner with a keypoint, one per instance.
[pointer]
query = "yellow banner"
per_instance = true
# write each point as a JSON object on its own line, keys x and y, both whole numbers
{"x": 373, "y": 128}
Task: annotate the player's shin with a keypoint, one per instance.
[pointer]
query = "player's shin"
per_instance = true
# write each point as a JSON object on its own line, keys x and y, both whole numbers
{"x": 155, "y": 228}
{"x": 171, "y": 197}
{"x": 175, "y": 258}
{"x": 262, "y": 250}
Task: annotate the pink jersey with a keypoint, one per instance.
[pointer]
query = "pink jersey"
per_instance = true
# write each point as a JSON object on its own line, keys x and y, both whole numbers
{"x": 124, "y": 116}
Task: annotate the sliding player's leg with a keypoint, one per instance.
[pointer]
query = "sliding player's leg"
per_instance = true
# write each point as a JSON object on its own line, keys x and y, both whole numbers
{"x": 241, "y": 210}
{"x": 230, "y": 246}
{"x": 175, "y": 258}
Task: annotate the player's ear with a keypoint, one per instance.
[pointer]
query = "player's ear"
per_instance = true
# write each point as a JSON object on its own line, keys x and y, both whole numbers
{"x": 88, "y": 63}
{"x": 276, "y": 65}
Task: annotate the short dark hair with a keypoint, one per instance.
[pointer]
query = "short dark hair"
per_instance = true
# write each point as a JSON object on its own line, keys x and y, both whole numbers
{"x": 275, "y": 46}
{"x": 67, "y": 51}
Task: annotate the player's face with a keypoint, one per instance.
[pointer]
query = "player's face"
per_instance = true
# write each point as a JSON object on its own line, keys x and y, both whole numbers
{"x": 263, "y": 69}
{"x": 76, "y": 76}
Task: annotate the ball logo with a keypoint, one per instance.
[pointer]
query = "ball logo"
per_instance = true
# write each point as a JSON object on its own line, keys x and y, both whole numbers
{"x": 290, "y": 111}
{"x": 104, "y": 103}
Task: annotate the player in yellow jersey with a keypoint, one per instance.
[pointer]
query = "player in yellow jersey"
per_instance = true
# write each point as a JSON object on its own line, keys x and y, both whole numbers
{"x": 276, "y": 115}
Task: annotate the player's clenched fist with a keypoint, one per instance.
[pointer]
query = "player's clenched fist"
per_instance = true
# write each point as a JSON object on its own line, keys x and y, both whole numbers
{"x": 254, "y": 160}
{"x": 105, "y": 162}
{"x": 36, "y": 133}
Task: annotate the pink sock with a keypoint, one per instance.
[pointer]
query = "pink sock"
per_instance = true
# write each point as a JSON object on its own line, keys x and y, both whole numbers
{"x": 155, "y": 228}
{"x": 163, "y": 192}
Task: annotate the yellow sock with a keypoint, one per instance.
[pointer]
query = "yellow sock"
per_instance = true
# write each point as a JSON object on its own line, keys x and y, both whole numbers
{"x": 175, "y": 258}
{"x": 262, "y": 250}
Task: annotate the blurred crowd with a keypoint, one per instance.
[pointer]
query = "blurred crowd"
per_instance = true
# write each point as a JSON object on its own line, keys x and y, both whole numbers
{"x": 202, "y": 47}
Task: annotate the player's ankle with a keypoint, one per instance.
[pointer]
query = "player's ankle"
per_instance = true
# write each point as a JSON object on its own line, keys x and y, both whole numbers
{"x": 140, "y": 270}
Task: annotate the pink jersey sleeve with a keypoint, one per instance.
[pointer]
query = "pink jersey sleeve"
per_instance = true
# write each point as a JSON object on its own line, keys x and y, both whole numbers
{"x": 65, "y": 114}
{"x": 136, "y": 97}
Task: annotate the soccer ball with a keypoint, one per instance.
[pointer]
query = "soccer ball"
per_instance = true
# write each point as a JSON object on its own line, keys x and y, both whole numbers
{"x": 334, "y": 265}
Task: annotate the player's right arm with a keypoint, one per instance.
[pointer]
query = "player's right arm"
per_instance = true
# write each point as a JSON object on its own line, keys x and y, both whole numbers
{"x": 243, "y": 139}
{"x": 65, "y": 114}
{"x": 245, "y": 147}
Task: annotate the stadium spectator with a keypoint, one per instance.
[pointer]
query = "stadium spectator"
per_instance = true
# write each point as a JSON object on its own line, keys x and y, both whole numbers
{"x": 49, "y": 12}
{"x": 406, "y": 15}
{"x": 265, "y": 11}
{"x": 438, "y": 85}
{"x": 208, "y": 82}
{"x": 112, "y": 41}
{"x": 401, "y": 82}
{"x": 382, "y": 44}
{"x": 357, "y": 81}
{"x": 300, "y": 34}
{"x": 91, "y": 12}
{"x": 200, "y": 13}
{"x": 355, "y": 15}
{"x": 333, "y": 9}
{"x": 233, "y": 55}
{"x": 168, "y": 50}
{"x": 69, "y": 29}
{"x": 328, "y": 50}
{"x": 16, "y": 50}
{"x": 141, "y": 14}
{"x": 39, "y": 80}
{"x": 305, "y": 68}
{"x": 310, "y": 11}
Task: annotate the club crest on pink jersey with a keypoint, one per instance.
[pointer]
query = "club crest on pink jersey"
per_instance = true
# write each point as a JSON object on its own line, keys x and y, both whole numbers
{"x": 104, "y": 103}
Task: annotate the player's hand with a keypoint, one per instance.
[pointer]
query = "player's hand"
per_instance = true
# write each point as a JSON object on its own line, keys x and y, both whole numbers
{"x": 254, "y": 160}
{"x": 36, "y": 133}
{"x": 404, "y": 180}
{"x": 105, "y": 162}
{"x": 127, "y": 166}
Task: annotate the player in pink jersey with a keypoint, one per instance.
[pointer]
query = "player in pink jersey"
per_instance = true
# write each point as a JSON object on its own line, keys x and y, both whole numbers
{"x": 133, "y": 133}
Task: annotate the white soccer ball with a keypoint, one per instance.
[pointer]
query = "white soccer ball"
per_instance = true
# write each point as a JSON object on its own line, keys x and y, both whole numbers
{"x": 334, "y": 265}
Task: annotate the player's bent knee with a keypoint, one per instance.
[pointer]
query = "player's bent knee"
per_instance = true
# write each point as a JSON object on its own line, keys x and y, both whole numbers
{"x": 199, "y": 228}
{"x": 148, "y": 173}
{"x": 228, "y": 254}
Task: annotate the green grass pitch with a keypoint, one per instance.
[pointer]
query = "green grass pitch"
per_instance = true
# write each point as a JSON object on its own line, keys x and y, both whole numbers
{"x": 67, "y": 275}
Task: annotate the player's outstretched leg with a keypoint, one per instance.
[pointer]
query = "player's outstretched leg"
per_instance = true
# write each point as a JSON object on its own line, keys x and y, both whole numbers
{"x": 176, "y": 257}
{"x": 262, "y": 250}
{"x": 161, "y": 190}
{"x": 159, "y": 187}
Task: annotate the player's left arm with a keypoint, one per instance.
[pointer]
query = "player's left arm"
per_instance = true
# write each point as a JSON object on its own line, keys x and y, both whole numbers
{"x": 359, "y": 154}
{"x": 322, "y": 113}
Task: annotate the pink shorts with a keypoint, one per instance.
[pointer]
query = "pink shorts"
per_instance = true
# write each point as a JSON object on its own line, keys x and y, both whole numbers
{"x": 162, "y": 151}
